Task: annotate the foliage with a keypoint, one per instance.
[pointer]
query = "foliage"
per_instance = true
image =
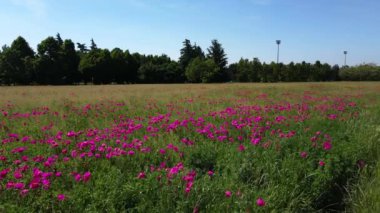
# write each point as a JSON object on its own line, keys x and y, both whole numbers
{"x": 364, "y": 72}
{"x": 58, "y": 62}
{"x": 202, "y": 71}
{"x": 16, "y": 63}
{"x": 184, "y": 148}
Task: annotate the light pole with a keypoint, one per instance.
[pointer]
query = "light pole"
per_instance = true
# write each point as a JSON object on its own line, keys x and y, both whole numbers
{"x": 278, "y": 42}
{"x": 345, "y": 57}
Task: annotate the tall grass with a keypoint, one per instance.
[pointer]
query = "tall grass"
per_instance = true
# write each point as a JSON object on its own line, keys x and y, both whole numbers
{"x": 187, "y": 148}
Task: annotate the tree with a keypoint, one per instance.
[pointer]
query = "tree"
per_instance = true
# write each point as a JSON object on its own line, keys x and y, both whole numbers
{"x": 93, "y": 45}
{"x": 204, "y": 71}
{"x": 186, "y": 54}
{"x": 82, "y": 48}
{"x": 48, "y": 70}
{"x": 216, "y": 53}
{"x": 133, "y": 65}
{"x": 94, "y": 66}
{"x": 189, "y": 52}
{"x": 70, "y": 62}
{"x": 159, "y": 69}
{"x": 334, "y": 74}
{"x": 16, "y": 62}
{"x": 256, "y": 70}
{"x": 59, "y": 39}
{"x": 243, "y": 70}
{"x": 119, "y": 66}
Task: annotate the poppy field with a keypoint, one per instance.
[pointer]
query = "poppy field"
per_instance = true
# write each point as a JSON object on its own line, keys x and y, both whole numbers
{"x": 186, "y": 148}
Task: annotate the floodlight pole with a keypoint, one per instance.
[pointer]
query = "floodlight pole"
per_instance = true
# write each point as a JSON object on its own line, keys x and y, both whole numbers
{"x": 345, "y": 57}
{"x": 278, "y": 42}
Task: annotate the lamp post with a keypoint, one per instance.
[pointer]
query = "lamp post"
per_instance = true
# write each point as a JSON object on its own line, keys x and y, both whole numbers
{"x": 345, "y": 57}
{"x": 278, "y": 42}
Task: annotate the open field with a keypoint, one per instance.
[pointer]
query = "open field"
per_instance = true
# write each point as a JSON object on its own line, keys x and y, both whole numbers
{"x": 188, "y": 147}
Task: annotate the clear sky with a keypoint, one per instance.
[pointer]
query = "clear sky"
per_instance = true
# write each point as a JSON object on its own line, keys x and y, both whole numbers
{"x": 310, "y": 30}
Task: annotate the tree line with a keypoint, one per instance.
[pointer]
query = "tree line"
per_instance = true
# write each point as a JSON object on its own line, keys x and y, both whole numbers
{"x": 62, "y": 62}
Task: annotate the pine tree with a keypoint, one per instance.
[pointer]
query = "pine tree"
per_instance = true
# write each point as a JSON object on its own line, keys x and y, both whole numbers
{"x": 216, "y": 53}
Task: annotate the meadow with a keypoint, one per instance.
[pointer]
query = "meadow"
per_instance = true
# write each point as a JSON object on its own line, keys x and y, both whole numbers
{"x": 284, "y": 147}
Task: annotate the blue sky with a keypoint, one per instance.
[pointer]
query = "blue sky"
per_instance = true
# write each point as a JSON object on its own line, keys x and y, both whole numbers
{"x": 310, "y": 30}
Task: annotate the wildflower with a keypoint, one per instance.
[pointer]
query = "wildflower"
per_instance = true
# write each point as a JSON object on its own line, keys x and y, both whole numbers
{"x": 210, "y": 173}
{"x": 255, "y": 141}
{"x": 61, "y": 197}
{"x": 24, "y": 192}
{"x": 24, "y": 158}
{"x": 34, "y": 184}
{"x": 19, "y": 185}
{"x": 71, "y": 134}
{"x": 187, "y": 190}
{"x": 45, "y": 184}
{"x": 322, "y": 163}
{"x": 241, "y": 148}
{"x": 77, "y": 177}
{"x": 10, "y": 185}
{"x": 260, "y": 202}
{"x": 303, "y": 154}
{"x": 162, "y": 151}
{"x": 3, "y": 173}
{"x": 17, "y": 175}
{"x": 86, "y": 176}
{"x": 141, "y": 175}
{"x": 332, "y": 116}
{"x": 327, "y": 145}
{"x": 228, "y": 194}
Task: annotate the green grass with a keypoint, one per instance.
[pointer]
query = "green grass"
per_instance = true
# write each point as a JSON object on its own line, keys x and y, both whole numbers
{"x": 209, "y": 123}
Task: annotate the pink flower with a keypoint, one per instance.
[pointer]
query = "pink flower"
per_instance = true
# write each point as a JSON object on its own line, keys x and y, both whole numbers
{"x": 77, "y": 177}
{"x": 303, "y": 154}
{"x": 260, "y": 202}
{"x": 141, "y": 175}
{"x": 61, "y": 197}
{"x": 241, "y": 148}
{"x": 46, "y": 184}
{"x": 58, "y": 174}
{"x": 162, "y": 151}
{"x": 327, "y": 145}
{"x": 228, "y": 194}
{"x": 24, "y": 192}
{"x": 71, "y": 134}
{"x": 210, "y": 173}
{"x": 19, "y": 185}
{"x": 3, "y": 173}
{"x": 321, "y": 163}
{"x": 17, "y": 175}
{"x": 187, "y": 190}
{"x": 34, "y": 184}
{"x": 86, "y": 176}
{"x": 10, "y": 185}
{"x": 332, "y": 116}
{"x": 255, "y": 141}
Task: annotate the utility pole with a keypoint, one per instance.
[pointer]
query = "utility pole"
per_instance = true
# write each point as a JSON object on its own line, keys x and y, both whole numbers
{"x": 345, "y": 57}
{"x": 278, "y": 42}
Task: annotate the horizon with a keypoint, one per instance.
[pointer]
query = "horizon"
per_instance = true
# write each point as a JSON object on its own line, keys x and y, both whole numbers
{"x": 250, "y": 29}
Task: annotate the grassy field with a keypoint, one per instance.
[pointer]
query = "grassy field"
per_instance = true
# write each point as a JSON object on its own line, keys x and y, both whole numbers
{"x": 286, "y": 147}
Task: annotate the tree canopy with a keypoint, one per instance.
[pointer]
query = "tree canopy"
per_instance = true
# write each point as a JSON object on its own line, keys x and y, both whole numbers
{"x": 59, "y": 61}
